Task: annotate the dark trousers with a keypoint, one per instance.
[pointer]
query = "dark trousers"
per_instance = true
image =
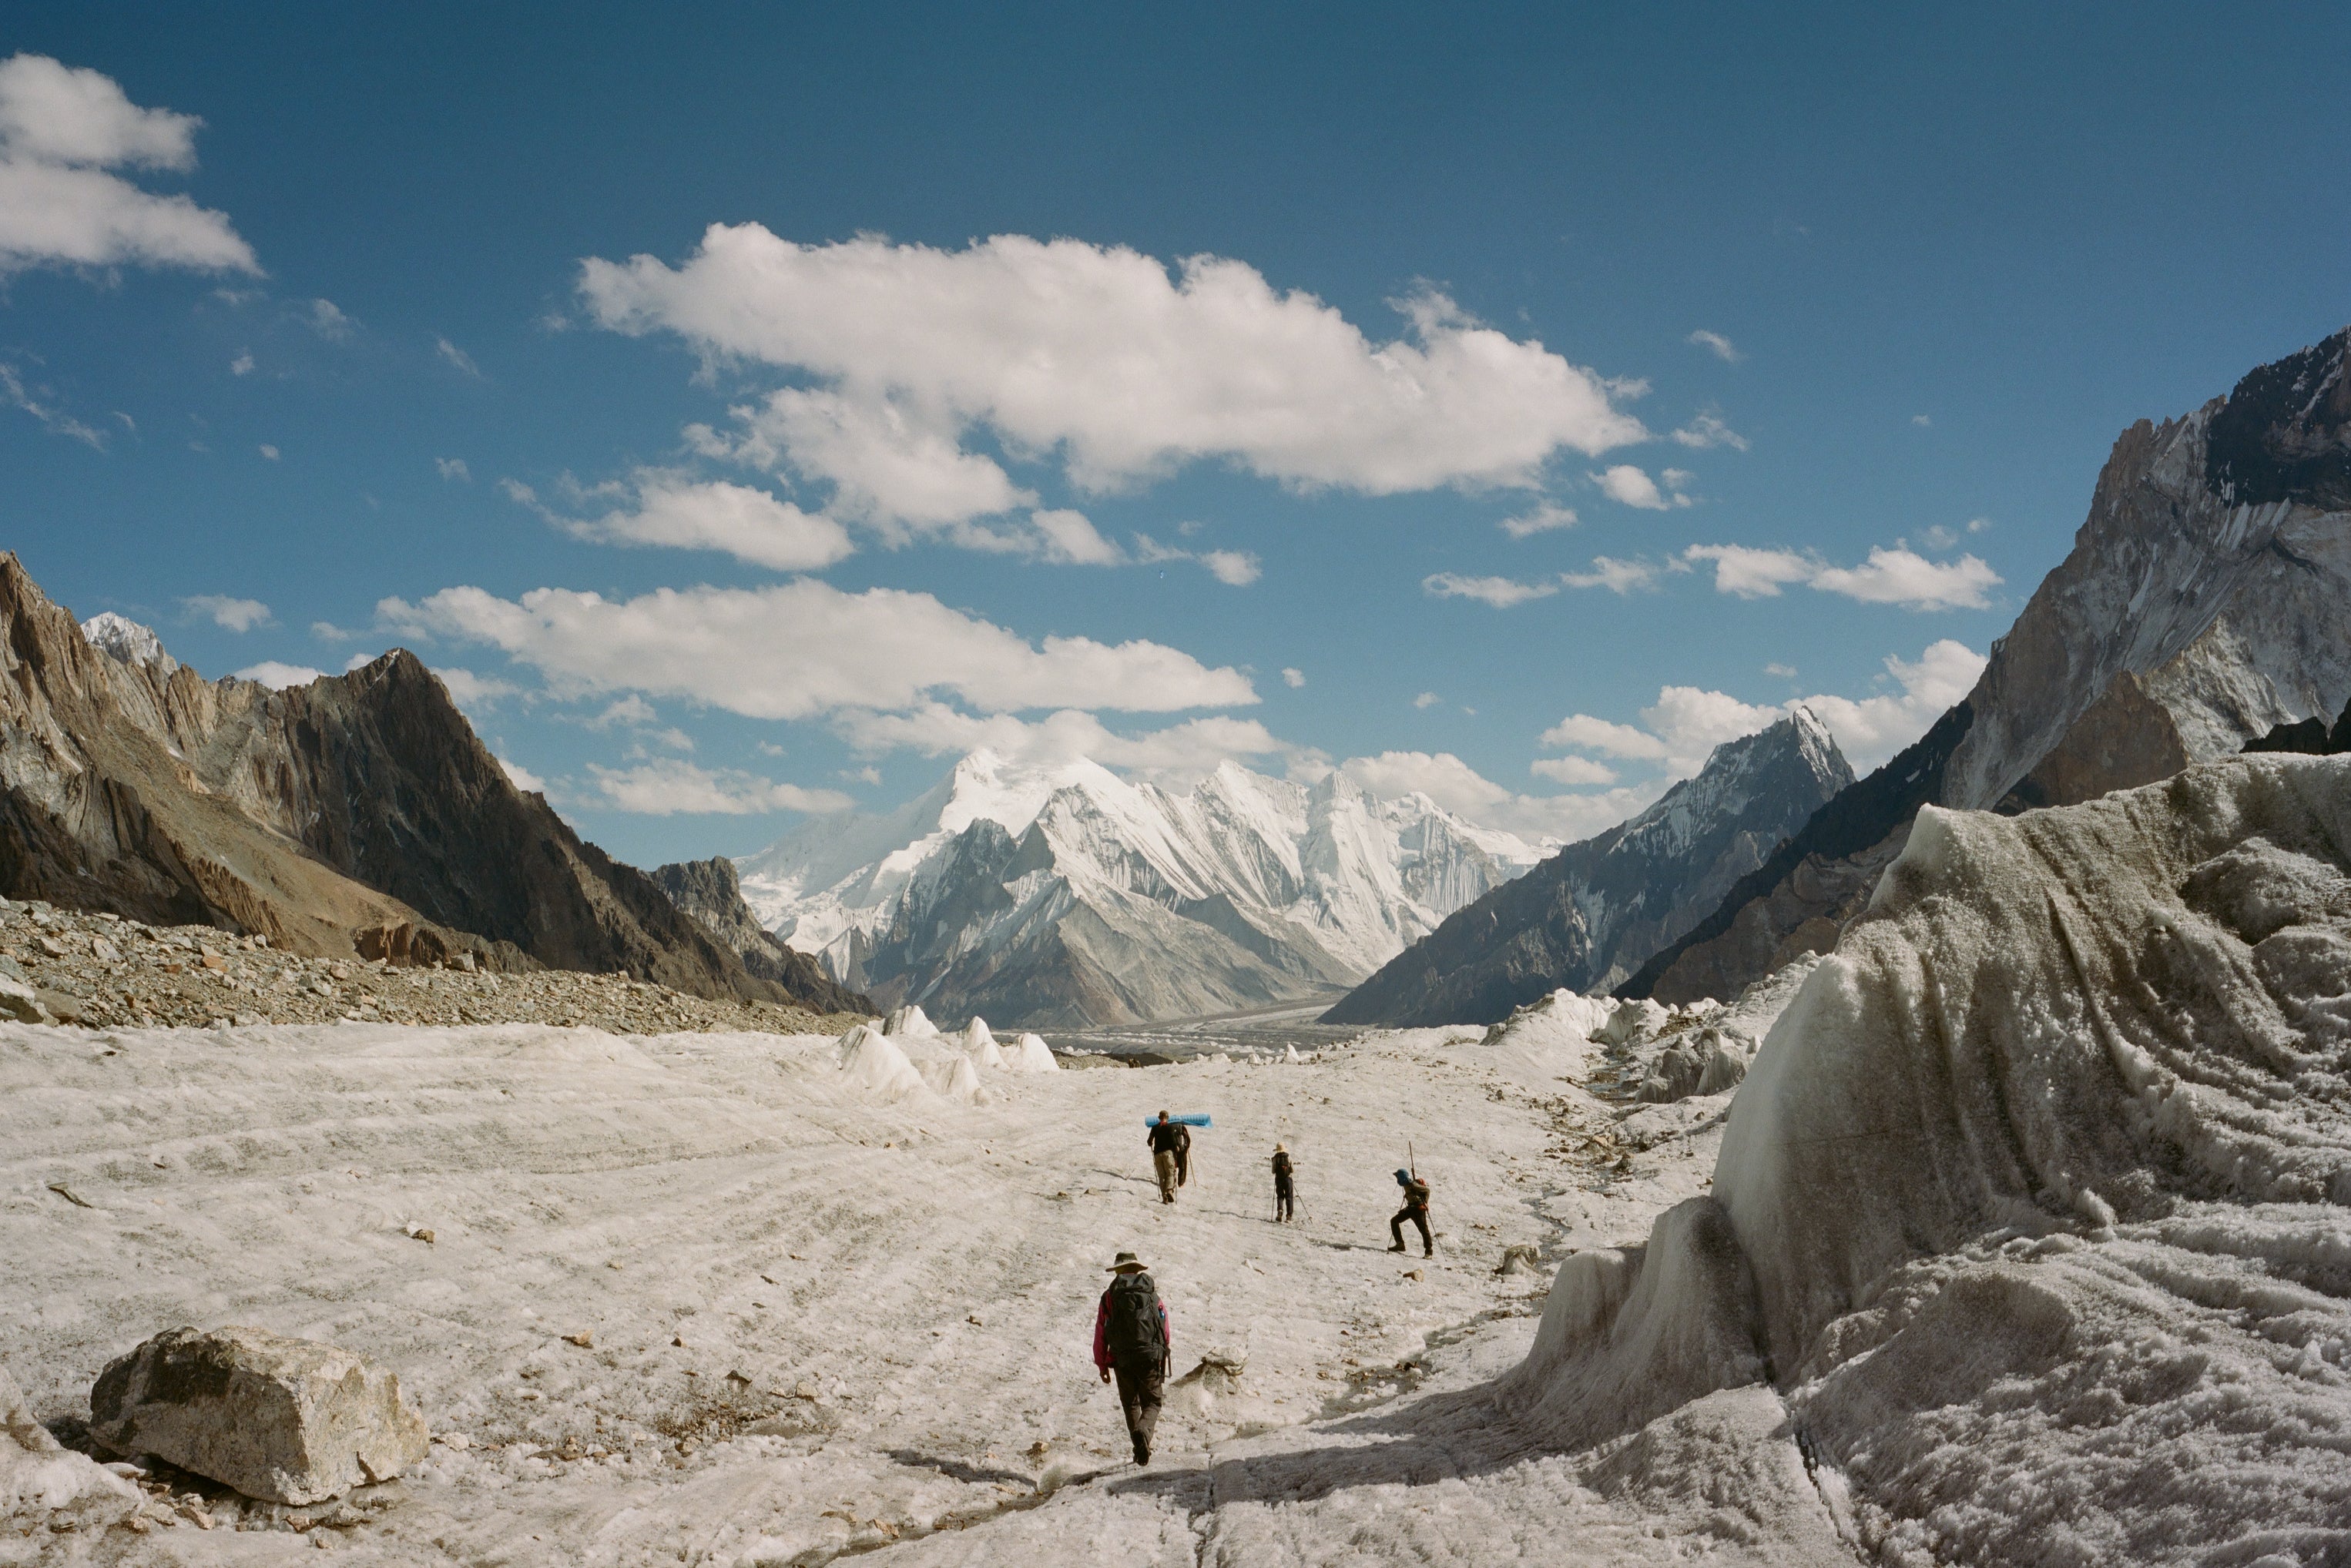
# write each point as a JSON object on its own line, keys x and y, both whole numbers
{"x": 1419, "y": 1216}
{"x": 1285, "y": 1199}
{"x": 1141, "y": 1378}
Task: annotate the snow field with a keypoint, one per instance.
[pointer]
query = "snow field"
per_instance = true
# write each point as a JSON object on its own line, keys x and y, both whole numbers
{"x": 819, "y": 1318}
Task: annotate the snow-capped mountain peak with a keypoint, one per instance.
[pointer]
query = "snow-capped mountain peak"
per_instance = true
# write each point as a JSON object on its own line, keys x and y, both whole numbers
{"x": 1243, "y": 889}
{"x": 128, "y": 641}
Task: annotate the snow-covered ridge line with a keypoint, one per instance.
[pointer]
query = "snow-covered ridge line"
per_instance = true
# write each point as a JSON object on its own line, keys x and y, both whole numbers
{"x": 1249, "y": 889}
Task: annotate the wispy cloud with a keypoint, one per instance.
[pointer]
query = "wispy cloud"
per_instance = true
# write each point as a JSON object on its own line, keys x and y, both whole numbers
{"x": 452, "y": 469}
{"x": 457, "y": 356}
{"x": 1707, "y": 430}
{"x": 1502, "y": 592}
{"x": 1293, "y": 679}
{"x": 1715, "y": 344}
{"x": 1616, "y": 576}
{"x": 1543, "y": 517}
{"x": 51, "y": 418}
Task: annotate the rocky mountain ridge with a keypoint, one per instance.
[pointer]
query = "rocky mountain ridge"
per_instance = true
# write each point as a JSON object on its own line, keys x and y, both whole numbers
{"x": 358, "y": 815}
{"x": 1069, "y": 896}
{"x": 2205, "y": 602}
{"x": 1587, "y": 916}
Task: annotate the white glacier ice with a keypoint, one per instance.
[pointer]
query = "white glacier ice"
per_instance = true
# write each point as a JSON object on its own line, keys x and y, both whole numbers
{"x": 2033, "y": 1206}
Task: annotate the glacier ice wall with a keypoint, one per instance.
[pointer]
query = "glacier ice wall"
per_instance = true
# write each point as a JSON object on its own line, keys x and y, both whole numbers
{"x": 2033, "y": 1203}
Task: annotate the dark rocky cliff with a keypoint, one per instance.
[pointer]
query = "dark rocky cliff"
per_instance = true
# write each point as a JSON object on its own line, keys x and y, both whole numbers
{"x": 711, "y": 892}
{"x": 2206, "y": 603}
{"x": 1597, "y": 909}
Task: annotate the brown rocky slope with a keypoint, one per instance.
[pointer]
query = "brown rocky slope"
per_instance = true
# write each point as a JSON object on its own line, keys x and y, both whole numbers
{"x": 358, "y": 815}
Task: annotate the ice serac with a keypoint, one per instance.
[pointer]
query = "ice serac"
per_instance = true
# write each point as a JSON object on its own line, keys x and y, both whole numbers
{"x": 1590, "y": 915}
{"x": 359, "y": 803}
{"x": 2033, "y": 1201}
{"x": 2205, "y": 602}
{"x": 708, "y": 890}
{"x": 1068, "y": 895}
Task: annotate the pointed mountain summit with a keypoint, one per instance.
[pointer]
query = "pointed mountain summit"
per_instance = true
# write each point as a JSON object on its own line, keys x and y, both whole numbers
{"x": 1065, "y": 895}
{"x": 357, "y": 814}
{"x": 1590, "y": 913}
{"x": 2206, "y": 603}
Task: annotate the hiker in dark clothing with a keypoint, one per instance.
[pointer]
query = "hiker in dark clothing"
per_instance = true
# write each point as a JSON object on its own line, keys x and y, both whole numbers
{"x": 1416, "y": 1208}
{"x": 1131, "y": 1342}
{"x": 1285, "y": 1190}
{"x": 1171, "y": 1143}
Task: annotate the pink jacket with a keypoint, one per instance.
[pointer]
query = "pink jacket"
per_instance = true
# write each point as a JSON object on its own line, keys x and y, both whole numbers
{"x": 1101, "y": 1332}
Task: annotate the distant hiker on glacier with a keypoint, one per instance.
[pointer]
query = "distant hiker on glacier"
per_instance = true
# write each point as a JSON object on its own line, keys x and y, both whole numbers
{"x": 1416, "y": 1208}
{"x": 1285, "y": 1187}
{"x": 1131, "y": 1342}
{"x": 1171, "y": 1143}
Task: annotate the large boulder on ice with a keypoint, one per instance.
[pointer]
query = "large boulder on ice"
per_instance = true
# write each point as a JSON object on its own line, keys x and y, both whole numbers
{"x": 2037, "y": 1188}
{"x": 1032, "y": 1055}
{"x": 285, "y": 1420}
{"x": 39, "y": 1477}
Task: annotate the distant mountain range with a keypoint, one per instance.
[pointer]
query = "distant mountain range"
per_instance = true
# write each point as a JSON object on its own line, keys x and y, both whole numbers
{"x": 2206, "y": 604}
{"x": 1069, "y": 896}
{"x": 1587, "y": 916}
{"x": 358, "y": 815}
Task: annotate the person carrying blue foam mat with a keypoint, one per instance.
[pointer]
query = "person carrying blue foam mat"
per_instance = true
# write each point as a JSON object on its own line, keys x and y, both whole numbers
{"x": 1171, "y": 1149}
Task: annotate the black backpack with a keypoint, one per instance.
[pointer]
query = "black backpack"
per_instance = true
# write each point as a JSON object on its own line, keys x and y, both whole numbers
{"x": 1135, "y": 1315}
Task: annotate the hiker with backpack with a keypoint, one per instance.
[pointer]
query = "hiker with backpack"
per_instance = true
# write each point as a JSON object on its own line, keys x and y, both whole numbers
{"x": 1171, "y": 1144}
{"x": 1416, "y": 1208}
{"x": 1131, "y": 1342}
{"x": 1285, "y": 1187}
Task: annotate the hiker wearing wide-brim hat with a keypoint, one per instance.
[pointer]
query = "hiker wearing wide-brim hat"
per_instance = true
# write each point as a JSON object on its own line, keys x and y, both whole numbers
{"x": 1285, "y": 1187}
{"x": 1131, "y": 1342}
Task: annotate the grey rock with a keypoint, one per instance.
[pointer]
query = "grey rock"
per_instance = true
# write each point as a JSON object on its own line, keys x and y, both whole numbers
{"x": 20, "y": 1001}
{"x": 285, "y": 1420}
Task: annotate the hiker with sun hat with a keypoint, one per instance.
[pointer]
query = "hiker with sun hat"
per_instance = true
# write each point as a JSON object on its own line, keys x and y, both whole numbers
{"x": 1131, "y": 1342}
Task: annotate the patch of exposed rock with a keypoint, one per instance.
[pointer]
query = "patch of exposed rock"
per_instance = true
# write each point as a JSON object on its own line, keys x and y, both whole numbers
{"x": 712, "y": 894}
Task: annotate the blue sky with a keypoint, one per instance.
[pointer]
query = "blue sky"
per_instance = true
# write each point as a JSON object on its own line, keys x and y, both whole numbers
{"x": 1062, "y": 382}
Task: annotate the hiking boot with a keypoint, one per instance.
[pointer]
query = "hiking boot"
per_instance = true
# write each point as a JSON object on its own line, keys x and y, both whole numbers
{"x": 1397, "y": 1247}
{"x": 1141, "y": 1452}
{"x": 1431, "y": 1253}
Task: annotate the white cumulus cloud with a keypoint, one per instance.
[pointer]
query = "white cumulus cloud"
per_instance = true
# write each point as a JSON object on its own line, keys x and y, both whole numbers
{"x": 1685, "y": 722}
{"x": 667, "y": 507}
{"x": 1461, "y": 788}
{"x": 1630, "y": 485}
{"x": 1176, "y": 755}
{"x": 1099, "y": 358}
{"x": 673, "y": 788}
{"x": 278, "y": 676}
{"x": 63, "y": 132}
{"x": 1895, "y": 576}
{"x": 1293, "y": 679}
{"x": 804, "y": 648}
{"x": 1576, "y": 771}
{"x": 230, "y": 615}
